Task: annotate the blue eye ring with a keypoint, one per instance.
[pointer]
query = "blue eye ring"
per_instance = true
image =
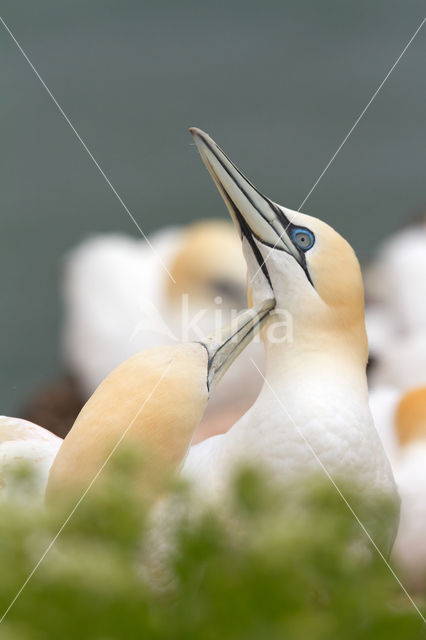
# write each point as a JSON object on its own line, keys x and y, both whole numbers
{"x": 303, "y": 238}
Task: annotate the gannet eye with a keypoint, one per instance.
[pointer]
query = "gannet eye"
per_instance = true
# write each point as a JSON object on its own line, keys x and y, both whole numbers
{"x": 303, "y": 238}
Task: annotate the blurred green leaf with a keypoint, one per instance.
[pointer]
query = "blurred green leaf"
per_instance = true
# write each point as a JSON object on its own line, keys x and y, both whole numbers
{"x": 267, "y": 564}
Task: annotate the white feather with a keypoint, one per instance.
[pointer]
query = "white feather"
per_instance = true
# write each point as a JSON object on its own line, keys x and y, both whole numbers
{"x": 25, "y": 443}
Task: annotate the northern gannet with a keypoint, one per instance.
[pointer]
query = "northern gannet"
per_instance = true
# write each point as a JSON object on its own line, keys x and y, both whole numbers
{"x": 119, "y": 300}
{"x": 396, "y": 276}
{"x": 316, "y": 378}
{"x": 401, "y": 422}
{"x": 396, "y": 313}
{"x": 410, "y": 474}
{"x": 158, "y": 396}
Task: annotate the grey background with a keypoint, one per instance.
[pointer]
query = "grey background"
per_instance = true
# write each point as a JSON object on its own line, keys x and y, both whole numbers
{"x": 277, "y": 84}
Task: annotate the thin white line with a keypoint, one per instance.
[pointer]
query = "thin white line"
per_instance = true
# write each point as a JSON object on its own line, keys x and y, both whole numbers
{"x": 363, "y": 112}
{"x": 86, "y": 148}
{"x": 46, "y": 551}
{"x": 327, "y": 473}
{"x": 333, "y": 157}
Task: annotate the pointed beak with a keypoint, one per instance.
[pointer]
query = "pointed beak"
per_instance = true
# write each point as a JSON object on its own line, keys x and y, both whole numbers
{"x": 225, "y": 345}
{"x": 255, "y": 215}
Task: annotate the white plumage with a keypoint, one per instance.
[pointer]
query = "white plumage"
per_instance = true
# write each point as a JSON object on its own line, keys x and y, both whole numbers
{"x": 410, "y": 545}
{"x": 401, "y": 421}
{"x": 383, "y": 402}
{"x": 396, "y": 325}
{"x": 396, "y": 318}
{"x": 25, "y": 443}
{"x": 113, "y": 286}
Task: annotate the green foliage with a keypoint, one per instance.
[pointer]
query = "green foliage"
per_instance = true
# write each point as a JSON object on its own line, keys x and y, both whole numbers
{"x": 267, "y": 566}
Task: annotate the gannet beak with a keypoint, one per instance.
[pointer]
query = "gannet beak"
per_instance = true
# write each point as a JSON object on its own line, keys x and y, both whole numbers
{"x": 224, "y": 346}
{"x": 255, "y": 215}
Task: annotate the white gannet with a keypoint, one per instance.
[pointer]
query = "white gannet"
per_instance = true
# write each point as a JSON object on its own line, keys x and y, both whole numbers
{"x": 119, "y": 300}
{"x": 400, "y": 418}
{"x": 396, "y": 316}
{"x": 155, "y": 399}
{"x": 410, "y": 474}
{"x": 383, "y": 402}
{"x": 398, "y": 274}
{"x": 316, "y": 379}
{"x": 22, "y": 442}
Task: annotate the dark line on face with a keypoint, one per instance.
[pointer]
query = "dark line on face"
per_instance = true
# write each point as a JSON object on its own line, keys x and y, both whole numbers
{"x": 246, "y": 231}
{"x": 250, "y": 235}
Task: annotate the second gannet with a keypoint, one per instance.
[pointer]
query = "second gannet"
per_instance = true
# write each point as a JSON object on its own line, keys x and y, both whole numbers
{"x": 313, "y": 408}
{"x": 154, "y": 400}
{"x": 119, "y": 300}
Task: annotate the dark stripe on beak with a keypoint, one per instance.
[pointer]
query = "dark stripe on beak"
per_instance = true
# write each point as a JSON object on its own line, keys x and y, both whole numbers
{"x": 248, "y": 234}
{"x": 274, "y": 208}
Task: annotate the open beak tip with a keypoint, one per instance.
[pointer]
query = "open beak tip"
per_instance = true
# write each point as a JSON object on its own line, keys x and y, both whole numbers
{"x": 201, "y": 138}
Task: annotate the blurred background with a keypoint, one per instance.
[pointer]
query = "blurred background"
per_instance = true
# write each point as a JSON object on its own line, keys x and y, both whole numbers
{"x": 278, "y": 84}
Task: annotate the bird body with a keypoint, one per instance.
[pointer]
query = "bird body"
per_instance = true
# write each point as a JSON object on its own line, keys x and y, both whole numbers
{"x": 25, "y": 443}
{"x": 396, "y": 315}
{"x": 410, "y": 545}
{"x": 312, "y": 413}
{"x": 401, "y": 422}
{"x": 402, "y": 364}
{"x": 383, "y": 401}
{"x": 396, "y": 277}
{"x": 408, "y": 423}
{"x": 158, "y": 396}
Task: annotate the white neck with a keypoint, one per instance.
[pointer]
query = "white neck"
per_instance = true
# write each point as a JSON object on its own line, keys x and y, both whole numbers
{"x": 317, "y": 390}
{"x": 322, "y": 364}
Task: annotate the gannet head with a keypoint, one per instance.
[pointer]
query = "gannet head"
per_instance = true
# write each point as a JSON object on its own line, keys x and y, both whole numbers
{"x": 208, "y": 264}
{"x": 310, "y": 270}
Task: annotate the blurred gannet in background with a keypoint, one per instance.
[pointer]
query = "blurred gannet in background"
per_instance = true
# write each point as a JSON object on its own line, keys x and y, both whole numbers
{"x": 119, "y": 300}
{"x": 396, "y": 327}
{"x": 316, "y": 381}
{"x": 396, "y": 313}
{"x": 22, "y": 442}
{"x": 410, "y": 474}
{"x": 159, "y": 397}
{"x": 400, "y": 417}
